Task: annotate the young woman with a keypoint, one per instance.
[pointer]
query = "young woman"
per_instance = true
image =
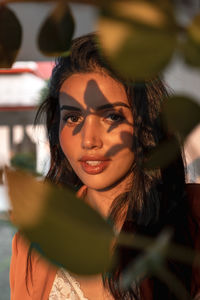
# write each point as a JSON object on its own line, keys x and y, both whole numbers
{"x": 101, "y": 129}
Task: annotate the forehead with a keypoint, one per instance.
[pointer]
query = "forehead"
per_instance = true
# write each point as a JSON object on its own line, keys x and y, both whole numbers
{"x": 91, "y": 89}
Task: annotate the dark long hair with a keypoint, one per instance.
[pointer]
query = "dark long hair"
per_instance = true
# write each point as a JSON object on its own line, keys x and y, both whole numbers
{"x": 157, "y": 198}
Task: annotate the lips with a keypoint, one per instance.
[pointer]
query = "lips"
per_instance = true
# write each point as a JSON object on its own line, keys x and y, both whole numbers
{"x": 94, "y": 164}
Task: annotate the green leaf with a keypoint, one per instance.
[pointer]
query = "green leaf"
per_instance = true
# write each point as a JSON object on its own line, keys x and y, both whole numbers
{"x": 176, "y": 252}
{"x": 56, "y": 32}
{"x": 194, "y": 29}
{"x": 149, "y": 262}
{"x": 10, "y": 36}
{"x": 62, "y": 227}
{"x": 173, "y": 283}
{"x": 191, "y": 47}
{"x": 163, "y": 154}
{"x": 137, "y": 38}
{"x": 181, "y": 114}
{"x": 152, "y": 262}
{"x": 191, "y": 52}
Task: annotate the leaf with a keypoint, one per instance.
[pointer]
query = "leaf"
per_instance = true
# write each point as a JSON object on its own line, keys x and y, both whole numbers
{"x": 181, "y": 114}
{"x": 137, "y": 38}
{"x": 176, "y": 252}
{"x": 62, "y": 227}
{"x": 191, "y": 52}
{"x": 144, "y": 12}
{"x": 10, "y": 36}
{"x": 173, "y": 283}
{"x": 148, "y": 263}
{"x": 56, "y": 32}
{"x": 194, "y": 29}
{"x": 152, "y": 262}
{"x": 163, "y": 154}
{"x": 191, "y": 46}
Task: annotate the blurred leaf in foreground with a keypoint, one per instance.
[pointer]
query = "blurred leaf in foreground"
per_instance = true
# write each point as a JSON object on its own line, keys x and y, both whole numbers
{"x": 56, "y": 33}
{"x": 137, "y": 37}
{"x": 149, "y": 262}
{"x": 181, "y": 114}
{"x": 163, "y": 154}
{"x": 152, "y": 262}
{"x": 191, "y": 48}
{"x": 10, "y": 36}
{"x": 65, "y": 229}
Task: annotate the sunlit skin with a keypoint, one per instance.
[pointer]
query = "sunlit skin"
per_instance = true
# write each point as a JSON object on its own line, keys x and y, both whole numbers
{"x": 96, "y": 123}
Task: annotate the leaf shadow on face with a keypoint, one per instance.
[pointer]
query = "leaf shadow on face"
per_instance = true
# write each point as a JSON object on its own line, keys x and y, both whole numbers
{"x": 92, "y": 107}
{"x": 125, "y": 137}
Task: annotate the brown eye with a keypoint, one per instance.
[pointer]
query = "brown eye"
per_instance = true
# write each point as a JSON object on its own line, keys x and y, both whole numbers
{"x": 115, "y": 117}
{"x": 72, "y": 119}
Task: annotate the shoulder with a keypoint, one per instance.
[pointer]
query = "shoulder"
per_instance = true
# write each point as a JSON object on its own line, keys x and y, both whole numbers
{"x": 19, "y": 244}
{"x": 31, "y": 277}
{"x": 20, "y": 248}
{"x": 18, "y": 267}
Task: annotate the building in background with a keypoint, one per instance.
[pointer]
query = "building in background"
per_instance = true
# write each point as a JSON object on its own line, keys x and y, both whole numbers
{"x": 20, "y": 93}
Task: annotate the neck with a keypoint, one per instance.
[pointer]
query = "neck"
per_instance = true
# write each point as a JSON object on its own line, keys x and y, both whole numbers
{"x": 101, "y": 200}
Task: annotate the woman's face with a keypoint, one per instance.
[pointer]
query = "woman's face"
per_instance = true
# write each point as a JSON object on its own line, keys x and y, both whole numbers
{"x": 96, "y": 129}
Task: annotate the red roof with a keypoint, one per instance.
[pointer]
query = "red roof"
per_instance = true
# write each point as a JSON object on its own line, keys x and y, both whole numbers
{"x": 43, "y": 69}
{"x": 16, "y": 71}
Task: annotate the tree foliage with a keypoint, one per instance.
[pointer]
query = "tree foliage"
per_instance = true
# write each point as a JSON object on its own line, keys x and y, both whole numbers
{"x": 138, "y": 39}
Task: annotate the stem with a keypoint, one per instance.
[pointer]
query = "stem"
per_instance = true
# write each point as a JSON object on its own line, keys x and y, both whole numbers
{"x": 174, "y": 283}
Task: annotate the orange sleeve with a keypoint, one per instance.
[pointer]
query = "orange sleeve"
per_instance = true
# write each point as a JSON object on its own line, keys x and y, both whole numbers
{"x": 18, "y": 269}
{"x": 13, "y": 264}
{"x": 29, "y": 283}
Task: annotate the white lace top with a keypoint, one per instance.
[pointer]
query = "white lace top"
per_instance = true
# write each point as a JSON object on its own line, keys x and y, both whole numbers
{"x": 65, "y": 287}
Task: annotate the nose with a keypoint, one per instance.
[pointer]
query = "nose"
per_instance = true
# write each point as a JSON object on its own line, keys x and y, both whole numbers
{"x": 91, "y": 133}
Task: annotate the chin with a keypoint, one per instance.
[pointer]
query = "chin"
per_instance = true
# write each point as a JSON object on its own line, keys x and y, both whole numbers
{"x": 96, "y": 185}
{"x": 103, "y": 185}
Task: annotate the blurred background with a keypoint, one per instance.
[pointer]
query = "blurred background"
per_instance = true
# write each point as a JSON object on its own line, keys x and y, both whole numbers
{"x": 23, "y": 87}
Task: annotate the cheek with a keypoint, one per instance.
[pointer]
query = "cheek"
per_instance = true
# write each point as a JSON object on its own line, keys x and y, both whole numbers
{"x": 66, "y": 143}
{"x": 124, "y": 150}
{"x": 121, "y": 142}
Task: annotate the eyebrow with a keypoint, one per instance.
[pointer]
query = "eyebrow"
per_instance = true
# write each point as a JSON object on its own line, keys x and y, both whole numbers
{"x": 101, "y": 107}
